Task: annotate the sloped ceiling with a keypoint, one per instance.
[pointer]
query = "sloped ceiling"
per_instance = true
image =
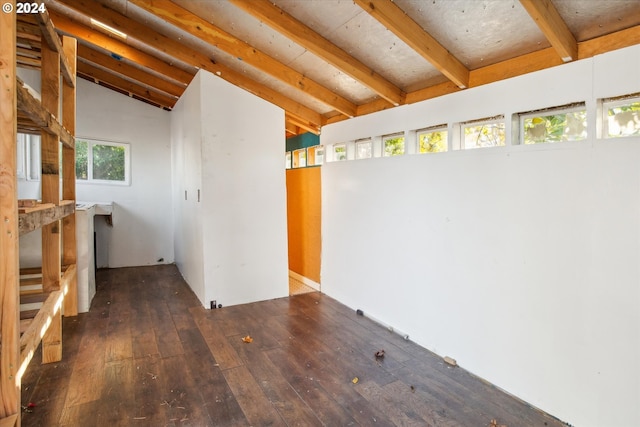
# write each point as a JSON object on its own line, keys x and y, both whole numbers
{"x": 328, "y": 60}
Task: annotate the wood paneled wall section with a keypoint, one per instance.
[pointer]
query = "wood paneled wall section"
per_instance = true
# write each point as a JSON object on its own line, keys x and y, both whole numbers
{"x": 303, "y": 218}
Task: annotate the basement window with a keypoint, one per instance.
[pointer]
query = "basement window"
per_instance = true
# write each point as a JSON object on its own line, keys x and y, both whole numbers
{"x": 364, "y": 149}
{"x": 432, "y": 140}
{"x": 566, "y": 123}
{"x": 621, "y": 116}
{"x": 339, "y": 152}
{"x": 488, "y": 132}
{"x": 102, "y": 162}
{"x": 393, "y": 145}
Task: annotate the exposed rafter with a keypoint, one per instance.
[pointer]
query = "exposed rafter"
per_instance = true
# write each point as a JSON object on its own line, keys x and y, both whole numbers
{"x": 409, "y": 31}
{"x": 306, "y": 37}
{"x": 118, "y": 48}
{"x": 553, "y": 27}
{"x": 166, "y": 45}
{"x": 193, "y": 24}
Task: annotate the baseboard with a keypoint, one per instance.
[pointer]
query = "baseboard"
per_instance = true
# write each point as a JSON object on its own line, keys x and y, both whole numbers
{"x": 305, "y": 280}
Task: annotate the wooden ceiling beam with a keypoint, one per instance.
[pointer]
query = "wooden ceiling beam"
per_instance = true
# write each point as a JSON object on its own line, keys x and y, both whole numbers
{"x": 134, "y": 73}
{"x": 125, "y": 85}
{"x": 188, "y": 55}
{"x": 302, "y": 124}
{"x": 553, "y": 27}
{"x": 55, "y": 44}
{"x": 306, "y": 37}
{"x": 193, "y": 24}
{"x": 118, "y": 48}
{"x": 409, "y": 31}
{"x": 531, "y": 62}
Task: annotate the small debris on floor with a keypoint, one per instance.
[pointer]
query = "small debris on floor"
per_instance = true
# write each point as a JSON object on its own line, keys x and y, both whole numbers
{"x": 247, "y": 339}
{"x": 379, "y": 354}
{"x": 450, "y": 361}
{"x": 359, "y": 312}
{"x": 355, "y": 380}
{"x": 413, "y": 389}
{"x": 494, "y": 423}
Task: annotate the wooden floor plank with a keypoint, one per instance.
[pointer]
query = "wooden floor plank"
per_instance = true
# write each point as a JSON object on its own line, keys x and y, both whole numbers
{"x": 148, "y": 354}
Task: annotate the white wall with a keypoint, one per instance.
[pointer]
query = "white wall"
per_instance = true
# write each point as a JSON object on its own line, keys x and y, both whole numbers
{"x": 521, "y": 262}
{"x": 142, "y": 231}
{"x": 229, "y": 144}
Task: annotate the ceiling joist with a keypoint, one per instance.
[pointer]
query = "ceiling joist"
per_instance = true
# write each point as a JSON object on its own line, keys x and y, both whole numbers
{"x": 553, "y": 27}
{"x": 409, "y": 31}
{"x": 306, "y": 37}
{"x": 198, "y": 27}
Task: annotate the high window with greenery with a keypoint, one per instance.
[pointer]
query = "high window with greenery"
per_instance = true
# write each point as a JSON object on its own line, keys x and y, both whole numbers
{"x": 621, "y": 116}
{"x": 364, "y": 149}
{"x": 488, "y": 132}
{"x": 102, "y": 162}
{"x": 432, "y": 140}
{"x": 567, "y": 123}
{"x": 393, "y": 145}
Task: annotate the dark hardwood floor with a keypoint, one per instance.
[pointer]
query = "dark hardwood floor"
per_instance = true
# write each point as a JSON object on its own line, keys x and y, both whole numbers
{"x": 147, "y": 354}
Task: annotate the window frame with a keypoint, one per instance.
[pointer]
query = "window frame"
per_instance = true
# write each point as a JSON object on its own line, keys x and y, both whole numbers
{"x": 335, "y": 147}
{"x": 562, "y": 109}
{"x": 361, "y": 142}
{"x": 385, "y": 138}
{"x": 432, "y": 129}
{"x": 485, "y": 121}
{"x": 91, "y": 142}
{"x": 608, "y": 103}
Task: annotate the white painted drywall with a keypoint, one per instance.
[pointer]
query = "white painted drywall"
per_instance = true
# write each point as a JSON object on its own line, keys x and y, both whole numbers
{"x": 143, "y": 227}
{"x": 229, "y": 144}
{"x": 521, "y": 262}
{"x": 142, "y": 232}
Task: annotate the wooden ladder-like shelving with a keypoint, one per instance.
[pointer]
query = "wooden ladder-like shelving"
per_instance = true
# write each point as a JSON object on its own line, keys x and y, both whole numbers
{"x": 30, "y": 41}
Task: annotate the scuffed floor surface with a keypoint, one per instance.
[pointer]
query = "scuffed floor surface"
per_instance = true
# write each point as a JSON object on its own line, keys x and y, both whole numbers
{"x": 147, "y": 354}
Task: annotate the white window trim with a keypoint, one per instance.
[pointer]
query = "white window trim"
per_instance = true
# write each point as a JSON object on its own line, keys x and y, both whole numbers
{"x": 432, "y": 129}
{"x": 394, "y": 136}
{"x": 608, "y": 103}
{"x": 563, "y": 109}
{"x": 486, "y": 121}
{"x": 127, "y": 163}
{"x": 335, "y": 147}
{"x": 364, "y": 141}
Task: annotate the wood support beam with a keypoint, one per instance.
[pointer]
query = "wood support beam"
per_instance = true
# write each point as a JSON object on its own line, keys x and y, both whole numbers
{"x": 296, "y": 121}
{"x": 409, "y": 31}
{"x": 38, "y": 218}
{"x": 39, "y": 328}
{"x": 126, "y": 85}
{"x": 121, "y": 67}
{"x": 553, "y": 27}
{"x": 41, "y": 118}
{"x": 193, "y": 24}
{"x": 9, "y": 254}
{"x": 183, "y": 53}
{"x": 53, "y": 41}
{"x": 272, "y": 15}
{"x": 50, "y": 186}
{"x": 118, "y": 48}
{"x": 69, "y": 250}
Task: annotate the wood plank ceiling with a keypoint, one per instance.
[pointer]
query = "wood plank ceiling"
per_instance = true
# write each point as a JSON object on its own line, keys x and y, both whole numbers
{"x": 324, "y": 61}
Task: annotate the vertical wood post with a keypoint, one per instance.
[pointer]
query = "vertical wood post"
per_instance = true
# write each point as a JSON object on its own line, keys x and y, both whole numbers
{"x": 69, "y": 45}
{"x": 9, "y": 268}
{"x": 50, "y": 157}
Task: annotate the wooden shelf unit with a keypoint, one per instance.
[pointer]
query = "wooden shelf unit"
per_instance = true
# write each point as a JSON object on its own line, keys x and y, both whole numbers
{"x": 30, "y": 41}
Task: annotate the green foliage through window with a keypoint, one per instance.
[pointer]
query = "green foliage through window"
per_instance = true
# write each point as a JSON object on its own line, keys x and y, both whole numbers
{"x": 568, "y": 126}
{"x": 623, "y": 120}
{"x": 100, "y": 161}
{"x": 490, "y": 134}
{"x": 394, "y": 146}
{"x": 433, "y": 142}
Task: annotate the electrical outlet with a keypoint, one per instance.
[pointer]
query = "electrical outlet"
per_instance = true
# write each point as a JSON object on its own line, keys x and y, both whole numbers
{"x": 213, "y": 304}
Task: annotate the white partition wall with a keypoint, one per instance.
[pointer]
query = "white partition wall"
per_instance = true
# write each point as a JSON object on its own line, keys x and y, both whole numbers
{"x": 229, "y": 193}
{"x": 521, "y": 262}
